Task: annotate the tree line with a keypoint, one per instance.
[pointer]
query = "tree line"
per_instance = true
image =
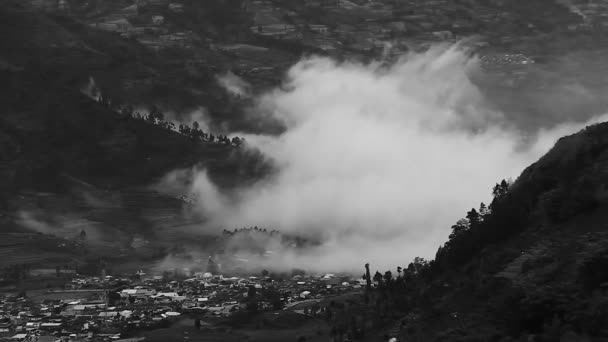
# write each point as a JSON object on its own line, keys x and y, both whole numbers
{"x": 157, "y": 117}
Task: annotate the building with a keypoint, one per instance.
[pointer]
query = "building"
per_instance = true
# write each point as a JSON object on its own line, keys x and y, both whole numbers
{"x": 158, "y": 19}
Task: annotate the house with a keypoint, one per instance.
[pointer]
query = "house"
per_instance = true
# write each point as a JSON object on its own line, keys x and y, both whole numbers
{"x": 50, "y": 326}
{"x": 158, "y": 19}
{"x": 19, "y": 337}
{"x": 318, "y": 28}
{"x": 443, "y": 35}
{"x": 173, "y": 296}
{"x": 138, "y": 292}
{"x": 176, "y": 7}
{"x": 273, "y": 29}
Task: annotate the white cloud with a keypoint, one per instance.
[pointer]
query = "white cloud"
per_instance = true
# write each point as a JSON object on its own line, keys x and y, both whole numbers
{"x": 377, "y": 161}
{"x": 234, "y": 85}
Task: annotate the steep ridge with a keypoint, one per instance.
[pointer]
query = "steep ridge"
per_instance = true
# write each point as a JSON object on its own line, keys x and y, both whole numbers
{"x": 533, "y": 268}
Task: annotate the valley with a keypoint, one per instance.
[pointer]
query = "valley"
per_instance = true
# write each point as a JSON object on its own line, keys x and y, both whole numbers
{"x": 133, "y": 135}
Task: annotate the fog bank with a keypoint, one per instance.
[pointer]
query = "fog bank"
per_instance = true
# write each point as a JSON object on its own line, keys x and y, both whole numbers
{"x": 377, "y": 160}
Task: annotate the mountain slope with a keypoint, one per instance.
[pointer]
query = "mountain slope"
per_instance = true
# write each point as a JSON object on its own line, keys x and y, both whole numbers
{"x": 47, "y": 125}
{"x": 69, "y": 163}
{"x": 533, "y": 266}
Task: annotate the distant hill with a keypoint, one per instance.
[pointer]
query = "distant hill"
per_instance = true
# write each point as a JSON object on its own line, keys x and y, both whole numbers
{"x": 69, "y": 163}
{"x": 48, "y": 126}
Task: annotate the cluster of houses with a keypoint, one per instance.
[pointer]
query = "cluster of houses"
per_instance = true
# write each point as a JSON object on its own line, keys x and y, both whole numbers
{"x": 504, "y": 61}
{"x": 105, "y": 308}
{"x": 592, "y": 12}
{"x": 151, "y": 32}
{"x": 359, "y": 25}
{"x": 377, "y": 23}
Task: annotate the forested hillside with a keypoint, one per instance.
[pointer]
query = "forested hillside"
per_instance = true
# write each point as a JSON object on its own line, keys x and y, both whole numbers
{"x": 531, "y": 264}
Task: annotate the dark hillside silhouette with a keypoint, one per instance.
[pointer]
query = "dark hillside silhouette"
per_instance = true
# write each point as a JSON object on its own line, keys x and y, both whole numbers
{"x": 529, "y": 264}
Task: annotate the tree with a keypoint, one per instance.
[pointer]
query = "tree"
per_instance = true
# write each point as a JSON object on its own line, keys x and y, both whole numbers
{"x": 483, "y": 210}
{"x": 274, "y": 297}
{"x": 127, "y": 110}
{"x": 265, "y": 273}
{"x": 252, "y": 302}
{"x": 251, "y": 291}
{"x": 195, "y": 125}
{"x": 160, "y": 116}
{"x": 388, "y": 277}
{"x": 187, "y": 130}
{"x": 152, "y": 115}
{"x": 459, "y": 228}
{"x": 368, "y": 277}
{"x": 500, "y": 189}
{"x": 378, "y": 277}
{"x": 417, "y": 266}
{"x": 297, "y": 271}
{"x": 473, "y": 217}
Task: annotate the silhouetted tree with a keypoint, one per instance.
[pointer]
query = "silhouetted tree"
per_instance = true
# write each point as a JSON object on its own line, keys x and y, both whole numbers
{"x": 473, "y": 217}
{"x": 388, "y": 277}
{"x": 378, "y": 277}
{"x": 483, "y": 210}
{"x": 251, "y": 291}
{"x": 459, "y": 228}
{"x": 368, "y": 277}
{"x": 500, "y": 189}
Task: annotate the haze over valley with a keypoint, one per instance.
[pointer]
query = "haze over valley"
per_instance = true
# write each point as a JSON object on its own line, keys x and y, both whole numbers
{"x": 222, "y": 170}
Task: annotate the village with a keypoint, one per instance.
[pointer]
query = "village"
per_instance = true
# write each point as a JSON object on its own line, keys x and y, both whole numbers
{"x": 116, "y": 308}
{"x": 346, "y": 28}
{"x": 57, "y": 284}
{"x": 259, "y": 40}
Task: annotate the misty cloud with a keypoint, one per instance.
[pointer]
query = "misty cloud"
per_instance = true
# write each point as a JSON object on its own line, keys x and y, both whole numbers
{"x": 377, "y": 161}
{"x": 234, "y": 85}
{"x": 92, "y": 90}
